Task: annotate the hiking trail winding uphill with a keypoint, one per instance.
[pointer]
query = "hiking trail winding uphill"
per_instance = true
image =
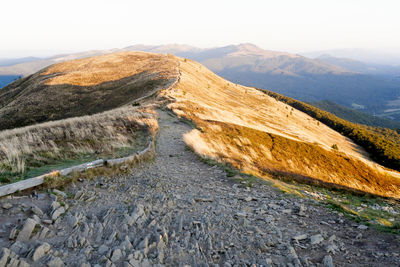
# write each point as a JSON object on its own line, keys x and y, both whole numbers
{"x": 178, "y": 211}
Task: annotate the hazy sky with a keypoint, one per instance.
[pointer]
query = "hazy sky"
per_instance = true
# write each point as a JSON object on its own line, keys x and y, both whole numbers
{"x": 45, "y": 27}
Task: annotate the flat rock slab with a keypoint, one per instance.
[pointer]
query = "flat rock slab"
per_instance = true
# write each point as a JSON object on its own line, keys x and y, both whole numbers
{"x": 26, "y": 230}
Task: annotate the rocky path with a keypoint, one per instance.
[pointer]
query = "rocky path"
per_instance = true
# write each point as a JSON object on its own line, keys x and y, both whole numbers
{"x": 178, "y": 211}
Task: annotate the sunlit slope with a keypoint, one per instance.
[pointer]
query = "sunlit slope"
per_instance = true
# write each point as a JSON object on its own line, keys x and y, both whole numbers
{"x": 85, "y": 86}
{"x": 235, "y": 124}
{"x": 263, "y": 136}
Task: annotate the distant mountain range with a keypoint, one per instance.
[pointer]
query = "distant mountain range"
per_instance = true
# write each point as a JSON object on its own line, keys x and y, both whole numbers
{"x": 361, "y": 67}
{"x": 389, "y": 57}
{"x": 351, "y": 83}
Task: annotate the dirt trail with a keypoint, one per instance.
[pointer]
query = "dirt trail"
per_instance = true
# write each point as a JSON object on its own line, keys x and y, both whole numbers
{"x": 177, "y": 211}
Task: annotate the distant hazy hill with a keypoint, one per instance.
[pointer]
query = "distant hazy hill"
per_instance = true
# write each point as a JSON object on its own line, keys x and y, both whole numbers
{"x": 14, "y": 61}
{"x": 361, "y": 67}
{"x": 370, "y": 56}
{"x": 30, "y": 66}
{"x": 355, "y": 115}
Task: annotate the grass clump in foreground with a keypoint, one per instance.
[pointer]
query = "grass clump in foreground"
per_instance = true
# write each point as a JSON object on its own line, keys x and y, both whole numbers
{"x": 38, "y": 149}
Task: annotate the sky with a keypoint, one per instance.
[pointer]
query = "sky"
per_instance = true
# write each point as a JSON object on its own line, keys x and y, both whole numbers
{"x": 48, "y": 27}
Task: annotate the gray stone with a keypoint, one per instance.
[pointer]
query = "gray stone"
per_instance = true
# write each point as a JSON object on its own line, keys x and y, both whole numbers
{"x": 53, "y": 197}
{"x": 126, "y": 245}
{"x": 72, "y": 220}
{"x": 137, "y": 213}
{"x": 13, "y": 233}
{"x": 36, "y": 218}
{"x": 57, "y": 213}
{"x": 300, "y": 237}
{"x": 362, "y": 227}
{"x": 4, "y": 254}
{"x": 43, "y": 232}
{"x": 19, "y": 248}
{"x": 7, "y": 206}
{"x": 36, "y": 210}
{"x": 23, "y": 263}
{"x": 55, "y": 262}
{"x": 54, "y": 205}
{"x": 134, "y": 263}
{"x": 40, "y": 251}
{"x": 116, "y": 255}
{"x": 27, "y": 230}
{"x": 60, "y": 193}
{"x": 273, "y": 206}
{"x": 13, "y": 262}
{"x": 327, "y": 261}
{"x": 247, "y": 199}
{"x": 316, "y": 239}
{"x": 103, "y": 249}
{"x": 331, "y": 248}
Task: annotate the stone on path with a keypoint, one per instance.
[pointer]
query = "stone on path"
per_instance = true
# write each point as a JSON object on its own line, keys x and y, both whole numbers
{"x": 27, "y": 230}
{"x": 4, "y": 254}
{"x": 316, "y": 239}
{"x": 327, "y": 261}
{"x": 40, "y": 251}
{"x": 36, "y": 210}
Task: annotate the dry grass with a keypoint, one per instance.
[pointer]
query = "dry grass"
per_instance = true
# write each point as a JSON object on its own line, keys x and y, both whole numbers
{"x": 262, "y": 136}
{"x": 104, "y": 133}
{"x": 262, "y": 154}
{"x": 105, "y": 68}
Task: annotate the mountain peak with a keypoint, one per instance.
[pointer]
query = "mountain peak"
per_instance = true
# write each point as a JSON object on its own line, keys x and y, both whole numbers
{"x": 249, "y": 49}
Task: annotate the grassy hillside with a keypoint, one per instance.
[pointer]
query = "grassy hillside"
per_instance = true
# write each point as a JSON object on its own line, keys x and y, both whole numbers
{"x": 267, "y": 138}
{"x": 382, "y": 144}
{"x": 83, "y": 87}
{"x": 37, "y": 149}
{"x": 370, "y": 91}
{"x": 355, "y": 115}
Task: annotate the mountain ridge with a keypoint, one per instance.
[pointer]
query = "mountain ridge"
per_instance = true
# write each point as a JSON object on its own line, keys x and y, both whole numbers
{"x": 220, "y": 108}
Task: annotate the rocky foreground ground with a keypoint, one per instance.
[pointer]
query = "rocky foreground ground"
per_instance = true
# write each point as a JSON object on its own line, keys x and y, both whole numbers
{"x": 179, "y": 211}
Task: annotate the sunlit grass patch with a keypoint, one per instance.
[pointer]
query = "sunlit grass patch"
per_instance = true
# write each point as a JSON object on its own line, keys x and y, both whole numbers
{"x": 34, "y": 150}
